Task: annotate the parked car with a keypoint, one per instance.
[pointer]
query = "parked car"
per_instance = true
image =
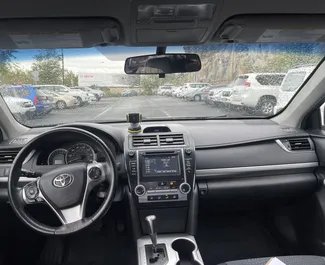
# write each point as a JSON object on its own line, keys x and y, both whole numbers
{"x": 216, "y": 89}
{"x": 129, "y": 93}
{"x": 189, "y": 87}
{"x": 165, "y": 90}
{"x": 222, "y": 97}
{"x": 257, "y": 90}
{"x": 197, "y": 94}
{"x": 294, "y": 78}
{"x": 82, "y": 97}
{"x": 175, "y": 91}
{"x": 41, "y": 102}
{"x": 21, "y": 108}
{"x": 60, "y": 101}
{"x": 96, "y": 92}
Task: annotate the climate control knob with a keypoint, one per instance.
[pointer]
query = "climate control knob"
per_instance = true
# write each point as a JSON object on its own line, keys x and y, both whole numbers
{"x": 185, "y": 188}
{"x": 140, "y": 190}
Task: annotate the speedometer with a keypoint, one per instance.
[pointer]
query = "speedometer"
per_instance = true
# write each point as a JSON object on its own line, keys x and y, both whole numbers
{"x": 80, "y": 152}
{"x": 57, "y": 157}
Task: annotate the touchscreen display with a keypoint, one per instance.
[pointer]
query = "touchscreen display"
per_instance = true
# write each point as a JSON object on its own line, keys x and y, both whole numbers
{"x": 161, "y": 165}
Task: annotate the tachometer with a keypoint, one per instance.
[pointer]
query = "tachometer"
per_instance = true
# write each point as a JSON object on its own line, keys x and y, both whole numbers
{"x": 80, "y": 152}
{"x": 57, "y": 157}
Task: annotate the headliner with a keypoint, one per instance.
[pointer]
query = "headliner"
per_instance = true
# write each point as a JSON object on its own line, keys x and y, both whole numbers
{"x": 122, "y": 11}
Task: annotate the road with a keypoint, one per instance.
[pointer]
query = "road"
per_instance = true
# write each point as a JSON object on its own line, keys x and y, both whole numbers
{"x": 150, "y": 107}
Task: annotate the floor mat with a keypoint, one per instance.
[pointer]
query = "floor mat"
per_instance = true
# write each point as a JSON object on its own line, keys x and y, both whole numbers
{"x": 233, "y": 237}
{"x": 100, "y": 248}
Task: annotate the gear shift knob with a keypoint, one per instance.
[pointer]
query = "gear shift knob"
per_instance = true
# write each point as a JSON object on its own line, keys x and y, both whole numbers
{"x": 151, "y": 220}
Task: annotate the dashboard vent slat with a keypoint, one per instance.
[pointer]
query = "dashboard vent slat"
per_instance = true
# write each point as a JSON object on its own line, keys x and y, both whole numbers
{"x": 7, "y": 157}
{"x": 298, "y": 144}
{"x": 144, "y": 140}
{"x": 171, "y": 139}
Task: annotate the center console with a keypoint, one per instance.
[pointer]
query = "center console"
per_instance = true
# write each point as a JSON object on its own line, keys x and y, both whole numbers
{"x": 164, "y": 175}
{"x": 160, "y": 174}
{"x": 161, "y": 177}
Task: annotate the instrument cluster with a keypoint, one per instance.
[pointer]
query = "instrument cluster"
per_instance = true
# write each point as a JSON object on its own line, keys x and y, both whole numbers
{"x": 74, "y": 153}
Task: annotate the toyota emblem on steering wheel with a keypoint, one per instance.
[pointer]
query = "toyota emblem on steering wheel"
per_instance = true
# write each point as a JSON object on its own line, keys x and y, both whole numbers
{"x": 63, "y": 180}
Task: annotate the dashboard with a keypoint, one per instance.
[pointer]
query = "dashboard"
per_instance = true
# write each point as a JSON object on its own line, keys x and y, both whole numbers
{"x": 231, "y": 158}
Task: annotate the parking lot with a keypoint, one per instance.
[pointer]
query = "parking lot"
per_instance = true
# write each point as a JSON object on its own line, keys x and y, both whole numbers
{"x": 112, "y": 109}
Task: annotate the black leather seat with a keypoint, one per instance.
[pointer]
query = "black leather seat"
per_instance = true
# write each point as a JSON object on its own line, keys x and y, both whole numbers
{"x": 288, "y": 260}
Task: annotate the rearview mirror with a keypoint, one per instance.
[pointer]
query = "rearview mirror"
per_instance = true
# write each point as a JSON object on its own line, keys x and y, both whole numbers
{"x": 163, "y": 64}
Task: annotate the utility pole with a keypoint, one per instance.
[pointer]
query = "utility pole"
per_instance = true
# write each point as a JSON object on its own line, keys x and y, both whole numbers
{"x": 62, "y": 58}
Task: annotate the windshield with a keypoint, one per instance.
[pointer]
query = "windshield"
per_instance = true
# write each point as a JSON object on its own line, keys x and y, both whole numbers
{"x": 246, "y": 79}
{"x": 294, "y": 80}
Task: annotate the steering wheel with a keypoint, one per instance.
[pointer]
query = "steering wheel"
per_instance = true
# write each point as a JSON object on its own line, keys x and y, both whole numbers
{"x": 65, "y": 188}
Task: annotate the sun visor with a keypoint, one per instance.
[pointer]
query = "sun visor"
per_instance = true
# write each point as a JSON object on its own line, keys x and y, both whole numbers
{"x": 57, "y": 33}
{"x": 272, "y": 29}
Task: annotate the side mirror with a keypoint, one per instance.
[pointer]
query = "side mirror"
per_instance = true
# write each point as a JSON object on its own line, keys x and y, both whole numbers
{"x": 163, "y": 64}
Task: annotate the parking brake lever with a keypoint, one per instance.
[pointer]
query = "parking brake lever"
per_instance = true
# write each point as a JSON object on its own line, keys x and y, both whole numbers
{"x": 151, "y": 220}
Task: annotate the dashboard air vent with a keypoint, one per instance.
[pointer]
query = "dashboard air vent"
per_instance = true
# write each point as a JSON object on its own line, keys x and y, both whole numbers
{"x": 297, "y": 144}
{"x": 171, "y": 139}
{"x": 144, "y": 140}
{"x": 7, "y": 157}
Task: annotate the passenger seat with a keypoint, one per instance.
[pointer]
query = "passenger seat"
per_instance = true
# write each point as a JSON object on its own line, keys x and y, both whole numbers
{"x": 287, "y": 260}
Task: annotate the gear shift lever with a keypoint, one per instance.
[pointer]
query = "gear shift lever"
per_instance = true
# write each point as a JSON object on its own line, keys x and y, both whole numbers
{"x": 151, "y": 220}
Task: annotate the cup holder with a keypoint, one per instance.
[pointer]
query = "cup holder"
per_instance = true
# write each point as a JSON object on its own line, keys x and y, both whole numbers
{"x": 185, "y": 249}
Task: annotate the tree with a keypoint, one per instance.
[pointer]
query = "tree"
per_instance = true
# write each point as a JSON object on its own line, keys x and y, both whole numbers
{"x": 48, "y": 65}
{"x": 6, "y": 62}
{"x": 18, "y": 76}
{"x": 70, "y": 78}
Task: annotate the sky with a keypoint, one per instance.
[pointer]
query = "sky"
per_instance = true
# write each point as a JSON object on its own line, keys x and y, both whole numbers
{"x": 93, "y": 60}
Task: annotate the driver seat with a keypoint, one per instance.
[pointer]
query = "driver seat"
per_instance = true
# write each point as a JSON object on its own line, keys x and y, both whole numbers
{"x": 287, "y": 260}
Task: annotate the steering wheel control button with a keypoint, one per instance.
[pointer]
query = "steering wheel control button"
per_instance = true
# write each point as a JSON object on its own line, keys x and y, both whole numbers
{"x": 185, "y": 188}
{"x": 140, "y": 190}
{"x": 31, "y": 192}
{"x": 95, "y": 173}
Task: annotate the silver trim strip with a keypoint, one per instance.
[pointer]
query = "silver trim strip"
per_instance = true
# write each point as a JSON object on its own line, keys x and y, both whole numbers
{"x": 21, "y": 179}
{"x": 252, "y": 169}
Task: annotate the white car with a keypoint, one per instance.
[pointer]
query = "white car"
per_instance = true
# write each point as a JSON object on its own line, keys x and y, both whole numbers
{"x": 176, "y": 91}
{"x": 98, "y": 94}
{"x": 20, "y": 107}
{"x": 163, "y": 90}
{"x": 222, "y": 96}
{"x": 292, "y": 81}
{"x": 190, "y": 87}
{"x": 257, "y": 90}
{"x": 82, "y": 97}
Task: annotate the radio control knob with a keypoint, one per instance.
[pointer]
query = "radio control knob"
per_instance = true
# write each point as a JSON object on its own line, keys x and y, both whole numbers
{"x": 188, "y": 151}
{"x": 140, "y": 190}
{"x": 185, "y": 188}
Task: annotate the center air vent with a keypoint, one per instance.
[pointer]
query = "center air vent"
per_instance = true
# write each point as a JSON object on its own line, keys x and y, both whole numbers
{"x": 7, "y": 157}
{"x": 144, "y": 140}
{"x": 296, "y": 144}
{"x": 171, "y": 139}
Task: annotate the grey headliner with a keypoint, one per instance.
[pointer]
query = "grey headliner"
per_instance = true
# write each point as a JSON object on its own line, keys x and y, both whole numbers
{"x": 121, "y": 10}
